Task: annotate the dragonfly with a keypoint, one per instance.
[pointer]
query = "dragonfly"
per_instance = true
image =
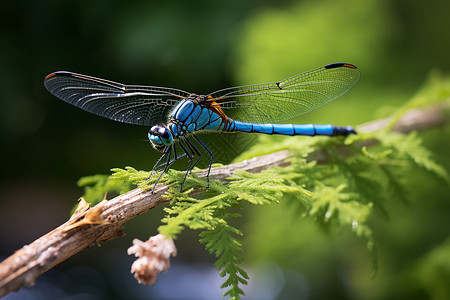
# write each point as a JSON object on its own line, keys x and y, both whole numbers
{"x": 176, "y": 116}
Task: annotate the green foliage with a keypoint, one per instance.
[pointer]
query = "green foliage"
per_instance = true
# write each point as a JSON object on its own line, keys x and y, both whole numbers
{"x": 340, "y": 183}
{"x": 433, "y": 271}
{"x": 211, "y": 212}
{"x": 98, "y": 187}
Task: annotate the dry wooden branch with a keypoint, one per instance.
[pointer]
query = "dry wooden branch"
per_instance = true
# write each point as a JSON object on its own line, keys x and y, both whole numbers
{"x": 89, "y": 226}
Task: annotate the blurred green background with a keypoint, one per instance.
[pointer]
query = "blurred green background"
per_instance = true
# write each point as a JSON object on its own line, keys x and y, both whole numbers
{"x": 202, "y": 46}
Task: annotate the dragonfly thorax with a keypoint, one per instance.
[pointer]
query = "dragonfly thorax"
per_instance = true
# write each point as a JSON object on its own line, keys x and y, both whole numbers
{"x": 160, "y": 137}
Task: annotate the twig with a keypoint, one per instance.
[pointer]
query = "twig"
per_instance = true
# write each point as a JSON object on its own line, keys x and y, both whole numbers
{"x": 89, "y": 226}
{"x": 414, "y": 119}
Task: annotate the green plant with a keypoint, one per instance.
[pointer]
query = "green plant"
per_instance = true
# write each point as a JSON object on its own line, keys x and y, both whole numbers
{"x": 338, "y": 182}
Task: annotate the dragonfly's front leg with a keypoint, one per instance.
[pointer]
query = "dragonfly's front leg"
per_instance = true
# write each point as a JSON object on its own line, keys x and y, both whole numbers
{"x": 176, "y": 157}
{"x": 157, "y": 165}
{"x": 168, "y": 153}
{"x": 169, "y": 161}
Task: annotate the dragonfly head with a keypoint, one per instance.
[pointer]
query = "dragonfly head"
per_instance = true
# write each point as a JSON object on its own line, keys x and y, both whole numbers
{"x": 160, "y": 137}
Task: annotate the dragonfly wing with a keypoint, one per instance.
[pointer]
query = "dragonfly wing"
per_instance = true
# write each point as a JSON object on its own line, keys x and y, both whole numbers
{"x": 289, "y": 98}
{"x": 133, "y": 104}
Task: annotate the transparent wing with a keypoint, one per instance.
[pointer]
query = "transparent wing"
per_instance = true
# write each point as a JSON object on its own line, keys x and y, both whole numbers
{"x": 289, "y": 98}
{"x": 133, "y": 104}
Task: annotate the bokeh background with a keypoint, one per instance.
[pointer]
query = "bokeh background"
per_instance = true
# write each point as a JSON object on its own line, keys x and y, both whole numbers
{"x": 202, "y": 46}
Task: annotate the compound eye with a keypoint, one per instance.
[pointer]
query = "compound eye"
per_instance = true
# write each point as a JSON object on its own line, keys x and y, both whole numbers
{"x": 154, "y": 130}
{"x": 163, "y": 132}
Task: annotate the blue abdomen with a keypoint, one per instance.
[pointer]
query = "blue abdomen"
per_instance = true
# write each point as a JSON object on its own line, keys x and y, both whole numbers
{"x": 290, "y": 129}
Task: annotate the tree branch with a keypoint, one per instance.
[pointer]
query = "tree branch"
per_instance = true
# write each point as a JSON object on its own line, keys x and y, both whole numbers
{"x": 89, "y": 226}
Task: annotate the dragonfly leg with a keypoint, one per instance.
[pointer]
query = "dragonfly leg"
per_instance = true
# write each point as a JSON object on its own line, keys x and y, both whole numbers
{"x": 210, "y": 162}
{"x": 164, "y": 166}
{"x": 176, "y": 157}
{"x": 195, "y": 151}
{"x": 157, "y": 164}
{"x": 169, "y": 154}
{"x": 191, "y": 157}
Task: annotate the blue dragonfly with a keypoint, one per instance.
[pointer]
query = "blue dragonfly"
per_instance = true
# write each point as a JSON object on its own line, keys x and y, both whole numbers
{"x": 175, "y": 116}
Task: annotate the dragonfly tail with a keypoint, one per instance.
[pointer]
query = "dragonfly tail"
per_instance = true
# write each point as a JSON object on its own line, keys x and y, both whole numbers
{"x": 337, "y": 130}
{"x": 292, "y": 129}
